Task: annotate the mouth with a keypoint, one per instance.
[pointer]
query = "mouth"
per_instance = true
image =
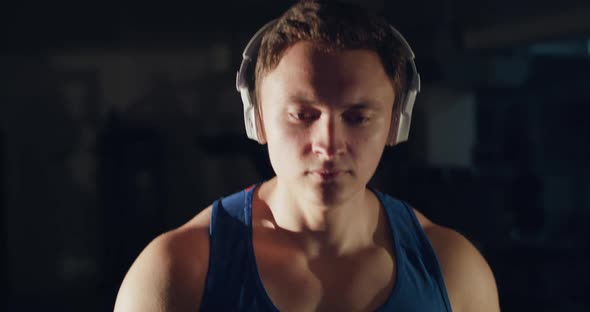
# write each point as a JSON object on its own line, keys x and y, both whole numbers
{"x": 327, "y": 174}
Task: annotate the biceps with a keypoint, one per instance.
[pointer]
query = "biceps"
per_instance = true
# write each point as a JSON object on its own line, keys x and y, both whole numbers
{"x": 138, "y": 293}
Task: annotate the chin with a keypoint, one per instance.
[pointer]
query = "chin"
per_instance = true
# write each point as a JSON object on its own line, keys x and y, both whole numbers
{"x": 331, "y": 191}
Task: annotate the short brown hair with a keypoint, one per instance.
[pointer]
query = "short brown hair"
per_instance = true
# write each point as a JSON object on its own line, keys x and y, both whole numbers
{"x": 334, "y": 26}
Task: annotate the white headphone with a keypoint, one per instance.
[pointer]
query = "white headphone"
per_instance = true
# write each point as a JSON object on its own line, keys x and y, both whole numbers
{"x": 400, "y": 122}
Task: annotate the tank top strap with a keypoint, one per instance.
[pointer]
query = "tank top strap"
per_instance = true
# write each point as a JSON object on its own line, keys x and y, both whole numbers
{"x": 229, "y": 265}
{"x": 419, "y": 281}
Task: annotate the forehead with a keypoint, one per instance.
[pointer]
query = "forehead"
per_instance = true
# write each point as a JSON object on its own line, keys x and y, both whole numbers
{"x": 311, "y": 71}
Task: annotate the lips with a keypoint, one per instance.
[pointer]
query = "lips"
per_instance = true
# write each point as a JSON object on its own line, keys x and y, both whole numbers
{"x": 327, "y": 174}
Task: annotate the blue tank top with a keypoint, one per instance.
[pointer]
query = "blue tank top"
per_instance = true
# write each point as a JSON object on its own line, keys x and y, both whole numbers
{"x": 233, "y": 282}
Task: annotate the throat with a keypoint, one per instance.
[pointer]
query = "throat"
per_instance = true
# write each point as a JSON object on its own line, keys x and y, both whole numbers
{"x": 319, "y": 230}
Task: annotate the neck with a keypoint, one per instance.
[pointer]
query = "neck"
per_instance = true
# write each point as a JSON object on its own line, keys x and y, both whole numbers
{"x": 337, "y": 228}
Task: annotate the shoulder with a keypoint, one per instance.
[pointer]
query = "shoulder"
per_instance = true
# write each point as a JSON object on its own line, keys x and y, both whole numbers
{"x": 170, "y": 273}
{"x": 468, "y": 278}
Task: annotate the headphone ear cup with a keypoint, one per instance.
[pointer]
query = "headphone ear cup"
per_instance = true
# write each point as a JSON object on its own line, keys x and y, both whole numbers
{"x": 392, "y": 130}
{"x": 252, "y": 114}
{"x": 405, "y": 116}
{"x": 261, "y": 134}
{"x": 250, "y": 122}
{"x": 395, "y": 119}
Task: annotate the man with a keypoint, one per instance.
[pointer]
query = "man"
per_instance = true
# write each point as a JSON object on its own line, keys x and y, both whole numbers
{"x": 331, "y": 90}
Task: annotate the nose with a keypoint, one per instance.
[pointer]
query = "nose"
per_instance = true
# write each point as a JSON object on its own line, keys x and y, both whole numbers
{"x": 328, "y": 139}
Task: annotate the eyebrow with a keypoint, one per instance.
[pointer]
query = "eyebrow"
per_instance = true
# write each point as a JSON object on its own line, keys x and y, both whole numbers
{"x": 302, "y": 99}
{"x": 362, "y": 106}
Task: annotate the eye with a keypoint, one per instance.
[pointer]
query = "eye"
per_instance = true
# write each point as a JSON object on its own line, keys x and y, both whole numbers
{"x": 355, "y": 118}
{"x": 303, "y": 116}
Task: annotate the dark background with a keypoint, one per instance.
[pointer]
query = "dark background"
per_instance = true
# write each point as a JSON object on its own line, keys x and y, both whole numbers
{"x": 118, "y": 123}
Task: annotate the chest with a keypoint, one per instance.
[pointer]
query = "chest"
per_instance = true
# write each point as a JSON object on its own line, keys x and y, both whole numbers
{"x": 357, "y": 283}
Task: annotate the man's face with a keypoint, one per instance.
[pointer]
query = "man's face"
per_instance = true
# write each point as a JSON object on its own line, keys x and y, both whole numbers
{"x": 326, "y": 117}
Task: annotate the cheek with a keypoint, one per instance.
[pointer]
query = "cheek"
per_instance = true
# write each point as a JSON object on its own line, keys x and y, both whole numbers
{"x": 282, "y": 134}
{"x": 369, "y": 138}
{"x": 366, "y": 147}
{"x": 284, "y": 146}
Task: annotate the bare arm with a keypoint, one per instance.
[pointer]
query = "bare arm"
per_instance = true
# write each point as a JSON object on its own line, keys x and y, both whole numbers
{"x": 169, "y": 274}
{"x": 469, "y": 280}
